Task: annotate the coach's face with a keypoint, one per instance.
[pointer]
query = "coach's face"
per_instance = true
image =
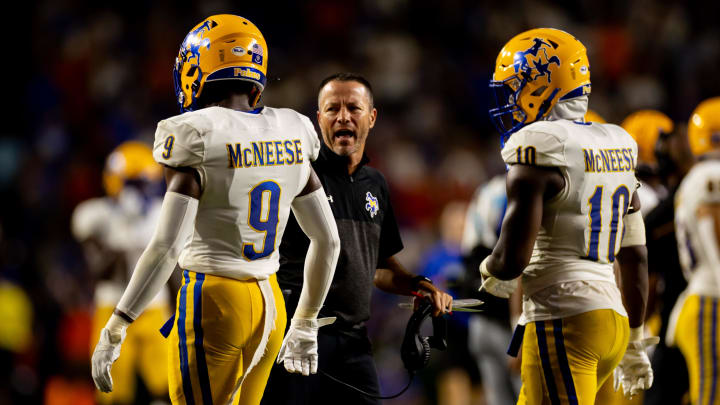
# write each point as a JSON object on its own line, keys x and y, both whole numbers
{"x": 345, "y": 116}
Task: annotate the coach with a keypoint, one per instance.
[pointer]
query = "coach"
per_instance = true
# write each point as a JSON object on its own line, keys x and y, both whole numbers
{"x": 369, "y": 239}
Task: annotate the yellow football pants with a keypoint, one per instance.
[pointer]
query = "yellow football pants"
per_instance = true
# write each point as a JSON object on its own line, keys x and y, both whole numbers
{"x": 565, "y": 361}
{"x": 696, "y": 335}
{"x": 144, "y": 352}
{"x": 608, "y": 396}
{"x": 218, "y": 326}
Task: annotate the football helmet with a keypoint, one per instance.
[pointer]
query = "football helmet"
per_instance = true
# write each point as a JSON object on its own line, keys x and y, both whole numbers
{"x": 645, "y": 126}
{"x": 131, "y": 160}
{"x": 222, "y": 47}
{"x": 592, "y": 116}
{"x": 534, "y": 71}
{"x": 704, "y": 127}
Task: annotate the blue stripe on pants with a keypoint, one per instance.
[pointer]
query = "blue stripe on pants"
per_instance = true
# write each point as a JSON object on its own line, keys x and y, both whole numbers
{"x": 545, "y": 358}
{"x": 713, "y": 387}
{"x": 184, "y": 369}
{"x": 700, "y": 346}
{"x": 199, "y": 349}
{"x": 564, "y": 364}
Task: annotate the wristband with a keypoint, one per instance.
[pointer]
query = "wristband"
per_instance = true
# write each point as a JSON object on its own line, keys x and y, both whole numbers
{"x": 415, "y": 282}
{"x": 637, "y": 334}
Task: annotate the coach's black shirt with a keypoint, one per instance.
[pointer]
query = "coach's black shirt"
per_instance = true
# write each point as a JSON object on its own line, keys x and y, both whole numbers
{"x": 368, "y": 234}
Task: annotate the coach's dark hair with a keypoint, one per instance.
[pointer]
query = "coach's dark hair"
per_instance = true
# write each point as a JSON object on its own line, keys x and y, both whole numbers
{"x": 348, "y": 77}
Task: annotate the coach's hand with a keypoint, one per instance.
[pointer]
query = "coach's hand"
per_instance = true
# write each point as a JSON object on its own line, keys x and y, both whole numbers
{"x": 441, "y": 301}
{"x": 107, "y": 351}
{"x": 495, "y": 286}
{"x": 634, "y": 372}
{"x": 299, "y": 350}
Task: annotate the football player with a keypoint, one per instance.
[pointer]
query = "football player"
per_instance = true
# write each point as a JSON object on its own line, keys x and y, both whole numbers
{"x": 490, "y": 330}
{"x": 572, "y": 210}
{"x": 113, "y": 231}
{"x": 233, "y": 171}
{"x": 694, "y": 320}
{"x": 646, "y": 127}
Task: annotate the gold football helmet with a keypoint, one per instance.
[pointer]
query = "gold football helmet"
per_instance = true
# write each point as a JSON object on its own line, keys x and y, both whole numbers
{"x": 645, "y": 127}
{"x": 704, "y": 127}
{"x": 222, "y": 47}
{"x": 592, "y": 116}
{"x": 534, "y": 71}
{"x": 131, "y": 160}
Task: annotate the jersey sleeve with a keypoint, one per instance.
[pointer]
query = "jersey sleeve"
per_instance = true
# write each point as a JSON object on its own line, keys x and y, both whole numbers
{"x": 178, "y": 143}
{"x": 312, "y": 137}
{"x": 534, "y": 147}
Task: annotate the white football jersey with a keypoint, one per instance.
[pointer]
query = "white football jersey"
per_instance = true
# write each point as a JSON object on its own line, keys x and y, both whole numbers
{"x": 121, "y": 225}
{"x": 251, "y": 167}
{"x": 700, "y": 186}
{"x": 582, "y": 226}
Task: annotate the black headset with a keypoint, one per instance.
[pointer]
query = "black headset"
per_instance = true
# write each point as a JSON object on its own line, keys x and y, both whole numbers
{"x": 415, "y": 348}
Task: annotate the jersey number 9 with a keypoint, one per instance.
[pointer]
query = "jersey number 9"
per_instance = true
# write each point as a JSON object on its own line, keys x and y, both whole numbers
{"x": 263, "y": 223}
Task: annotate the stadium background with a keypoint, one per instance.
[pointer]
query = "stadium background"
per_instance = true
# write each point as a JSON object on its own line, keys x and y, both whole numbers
{"x": 83, "y": 77}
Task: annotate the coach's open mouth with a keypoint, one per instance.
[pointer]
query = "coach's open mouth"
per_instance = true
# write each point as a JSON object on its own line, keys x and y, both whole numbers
{"x": 344, "y": 134}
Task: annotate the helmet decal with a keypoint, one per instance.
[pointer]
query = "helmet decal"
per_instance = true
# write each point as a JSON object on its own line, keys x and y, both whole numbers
{"x": 257, "y": 54}
{"x": 190, "y": 49}
{"x": 543, "y": 69}
{"x": 195, "y": 40}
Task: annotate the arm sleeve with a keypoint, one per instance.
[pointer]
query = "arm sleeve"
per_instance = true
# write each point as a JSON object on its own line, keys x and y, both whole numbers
{"x": 313, "y": 139}
{"x": 178, "y": 143}
{"x": 153, "y": 269}
{"x": 535, "y": 148}
{"x": 315, "y": 217}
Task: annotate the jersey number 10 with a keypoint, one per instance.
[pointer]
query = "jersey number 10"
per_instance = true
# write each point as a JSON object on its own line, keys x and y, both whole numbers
{"x": 596, "y": 223}
{"x": 256, "y": 221}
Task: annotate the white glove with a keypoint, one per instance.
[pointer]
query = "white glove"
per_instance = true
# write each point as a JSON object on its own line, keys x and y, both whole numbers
{"x": 107, "y": 351}
{"x": 634, "y": 372}
{"x": 495, "y": 286}
{"x": 299, "y": 350}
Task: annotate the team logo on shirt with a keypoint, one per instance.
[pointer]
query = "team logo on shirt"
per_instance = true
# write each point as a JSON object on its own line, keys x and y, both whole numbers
{"x": 372, "y": 205}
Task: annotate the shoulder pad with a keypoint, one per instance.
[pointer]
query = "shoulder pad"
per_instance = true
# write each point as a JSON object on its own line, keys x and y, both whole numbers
{"x": 535, "y": 145}
{"x": 312, "y": 138}
{"x": 178, "y": 140}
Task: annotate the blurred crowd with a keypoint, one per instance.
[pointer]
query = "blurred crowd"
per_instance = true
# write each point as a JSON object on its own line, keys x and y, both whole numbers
{"x": 96, "y": 75}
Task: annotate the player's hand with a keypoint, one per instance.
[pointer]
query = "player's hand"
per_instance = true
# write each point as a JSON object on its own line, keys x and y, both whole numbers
{"x": 441, "y": 301}
{"x": 495, "y": 286}
{"x": 634, "y": 372}
{"x": 299, "y": 350}
{"x": 106, "y": 352}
